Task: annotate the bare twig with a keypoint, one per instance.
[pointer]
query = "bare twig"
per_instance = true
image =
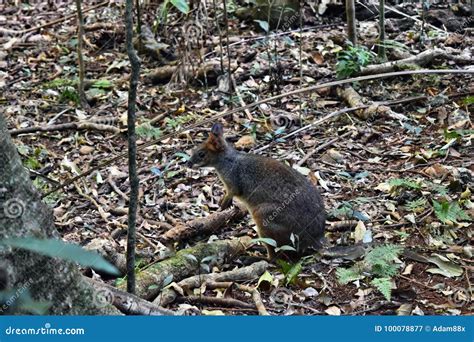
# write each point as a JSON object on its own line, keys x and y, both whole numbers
{"x": 81, "y": 125}
{"x": 321, "y": 147}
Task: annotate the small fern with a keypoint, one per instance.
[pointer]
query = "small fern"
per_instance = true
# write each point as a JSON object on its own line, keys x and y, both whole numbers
{"x": 383, "y": 254}
{"x": 404, "y": 183}
{"x": 380, "y": 263}
{"x": 346, "y": 275}
{"x": 350, "y": 61}
{"x": 145, "y": 130}
{"x": 384, "y": 285}
{"x": 417, "y": 205}
{"x": 450, "y": 212}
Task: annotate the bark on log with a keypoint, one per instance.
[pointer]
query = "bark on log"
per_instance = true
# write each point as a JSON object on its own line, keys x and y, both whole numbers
{"x": 127, "y": 303}
{"x": 206, "y": 225}
{"x": 185, "y": 263}
{"x": 247, "y": 273}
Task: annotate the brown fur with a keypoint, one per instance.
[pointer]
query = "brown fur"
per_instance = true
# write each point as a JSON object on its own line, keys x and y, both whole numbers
{"x": 282, "y": 202}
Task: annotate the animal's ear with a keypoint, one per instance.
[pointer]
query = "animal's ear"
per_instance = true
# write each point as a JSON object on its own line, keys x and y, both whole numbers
{"x": 217, "y": 130}
{"x": 216, "y": 142}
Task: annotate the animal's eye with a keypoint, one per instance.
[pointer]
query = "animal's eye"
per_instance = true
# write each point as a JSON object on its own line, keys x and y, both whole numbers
{"x": 201, "y": 154}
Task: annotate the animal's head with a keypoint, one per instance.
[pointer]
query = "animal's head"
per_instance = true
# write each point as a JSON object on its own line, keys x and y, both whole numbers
{"x": 209, "y": 151}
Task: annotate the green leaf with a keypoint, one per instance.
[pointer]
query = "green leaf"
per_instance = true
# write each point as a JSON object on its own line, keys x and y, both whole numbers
{"x": 285, "y": 266}
{"x": 294, "y": 271}
{"x": 384, "y": 269}
{"x": 182, "y": 155}
{"x": 446, "y": 267}
{"x": 181, "y": 5}
{"x": 469, "y": 100}
{"x": 416, "y": 205}
{"x": 285, "y": 248}
{"x": 146, "y": 130}
{"x": 449, "y": 212}
{"x": 268, "y": 241}
{"x": 384, "y": 285}
{"x": 263, "y": 25}
{"x": 404, "y": 183}
{"x": 167, "y": 280}
{"x": 450, "y": 135}
{"x": 265, "y": 281}
{"x": 383, "y": 254}
{"x": 102, "y": 84}
{"x": 346, "y": 275}
{"x": 60, "y": 249}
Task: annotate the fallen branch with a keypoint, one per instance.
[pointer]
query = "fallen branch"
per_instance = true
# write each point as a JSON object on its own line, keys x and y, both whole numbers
{"x": 262, "y": 311}
{"x": 321, "y": 147}
{"x": 206, "y": 225}
{"x": 353, "y": 99}
{"x": 352, "y": 109}
{"x": 126, "y": 302}
{"x": 249, "y": 289}
{"x": 247, "y": 273}
{"x": 393, "y": 9}
{"x": 223, "y": 302}
{"x": 209, "y": 70}
{"x": 422, "y": 59}
{"x": 82, "y": 125}
{"x": 186, "y": 262}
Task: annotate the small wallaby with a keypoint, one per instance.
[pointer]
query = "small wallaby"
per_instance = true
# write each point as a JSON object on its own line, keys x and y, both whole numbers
{"x": 285, "y": 206}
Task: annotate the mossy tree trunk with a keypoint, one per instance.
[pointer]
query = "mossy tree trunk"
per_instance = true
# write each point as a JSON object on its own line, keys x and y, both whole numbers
{"x": 22, "y": 214}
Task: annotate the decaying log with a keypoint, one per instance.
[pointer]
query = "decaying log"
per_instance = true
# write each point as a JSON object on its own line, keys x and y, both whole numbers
{"x": 206, "y": 225}
{"x": 185, "y": 263}
{"x": 209, "y": 70}
{"x": 168, "y": 295}
{"x": 126, "y": 302}
{"x": 353, "y": 99}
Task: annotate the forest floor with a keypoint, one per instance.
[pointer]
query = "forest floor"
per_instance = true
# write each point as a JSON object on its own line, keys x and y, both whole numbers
{"x": 394, "y": 182}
